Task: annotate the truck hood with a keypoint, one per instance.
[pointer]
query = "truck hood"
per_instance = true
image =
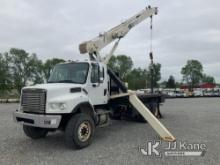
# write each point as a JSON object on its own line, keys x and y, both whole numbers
{"x": 54, "y": 86}
{"x": 56, "y": 90}
{"x": 62, "y": 93}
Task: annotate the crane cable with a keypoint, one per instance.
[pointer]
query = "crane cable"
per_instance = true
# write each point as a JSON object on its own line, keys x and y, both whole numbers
{"x": 151, "y": 39}
{"x": 151, "y": 55}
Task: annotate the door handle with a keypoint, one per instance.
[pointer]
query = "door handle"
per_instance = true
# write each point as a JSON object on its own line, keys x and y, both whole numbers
{"x": 95, "y": 84}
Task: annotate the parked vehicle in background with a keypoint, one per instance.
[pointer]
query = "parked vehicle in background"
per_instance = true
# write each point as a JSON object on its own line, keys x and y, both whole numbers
{"x": 216, "y": 92}
{"x": 198, "y": 93}
{"x": 208, "y": 92}
{"x": 143, "y": 91}
{"x": 179, "y": 93}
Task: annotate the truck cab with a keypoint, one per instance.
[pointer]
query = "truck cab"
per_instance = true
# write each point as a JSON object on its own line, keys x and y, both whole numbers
{"x": 73, "y": 88}
{"x": 90, "y": 78}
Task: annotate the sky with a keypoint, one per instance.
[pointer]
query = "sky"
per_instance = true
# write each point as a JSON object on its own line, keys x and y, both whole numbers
{"x": 182, "y": 30}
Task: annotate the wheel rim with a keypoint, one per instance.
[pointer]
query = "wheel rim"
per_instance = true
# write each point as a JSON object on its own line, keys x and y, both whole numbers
{"x": 84, "y": 131}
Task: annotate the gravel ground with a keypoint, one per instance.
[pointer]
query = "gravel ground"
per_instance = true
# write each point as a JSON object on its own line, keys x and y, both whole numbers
{"x": 192, "y": 120}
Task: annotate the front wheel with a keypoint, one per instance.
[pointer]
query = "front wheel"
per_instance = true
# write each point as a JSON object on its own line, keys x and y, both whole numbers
{"x": 79, "y": 131}
{"x": 34, "y": 132}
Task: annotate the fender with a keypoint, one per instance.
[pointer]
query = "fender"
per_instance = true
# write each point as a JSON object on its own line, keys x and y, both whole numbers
{"x": 85, "y": 107}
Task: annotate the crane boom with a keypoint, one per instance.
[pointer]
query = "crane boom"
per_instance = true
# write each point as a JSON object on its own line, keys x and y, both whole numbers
{"x": 95, "y": 45}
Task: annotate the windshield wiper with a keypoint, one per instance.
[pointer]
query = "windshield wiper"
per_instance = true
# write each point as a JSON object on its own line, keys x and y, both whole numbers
{"x": 62, "y": 81}
{"x": 65, "y": 81}
{"x": 51, "y": 82}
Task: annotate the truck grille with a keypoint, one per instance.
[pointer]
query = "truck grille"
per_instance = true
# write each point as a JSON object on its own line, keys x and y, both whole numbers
{"x": 33, "y": 100}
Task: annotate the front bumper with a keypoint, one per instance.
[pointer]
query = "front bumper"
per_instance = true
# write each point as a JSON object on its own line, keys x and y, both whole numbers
{"x": 37, "y": 120}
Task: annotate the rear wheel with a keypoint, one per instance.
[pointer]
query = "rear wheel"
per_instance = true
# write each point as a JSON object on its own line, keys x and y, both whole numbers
{"x": 34, "y": 132}
{"x": 79, "y": 131}
{"x": 156, "y": 111}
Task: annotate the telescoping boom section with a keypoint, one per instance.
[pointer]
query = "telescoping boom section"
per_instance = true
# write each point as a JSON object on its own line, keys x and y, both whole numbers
{"x": 95, "y": 45}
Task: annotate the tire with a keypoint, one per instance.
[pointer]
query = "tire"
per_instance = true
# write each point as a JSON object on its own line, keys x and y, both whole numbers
{"x": 79, "y": 131}
{"x": 160, "y": 116}
{"x": 156, "y": 111}
{"x": 34, "y": 132}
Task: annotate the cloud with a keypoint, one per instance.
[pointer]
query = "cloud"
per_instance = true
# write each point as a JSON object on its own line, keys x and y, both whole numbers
{"x": 182, "y": 30}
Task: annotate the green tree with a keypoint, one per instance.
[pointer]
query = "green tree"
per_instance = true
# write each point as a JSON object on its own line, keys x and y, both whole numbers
{"x": 48, "y": 66}
{"x": 163, "y": 84}
{"x": 5, "y": 75}
{"x": 153, "y": 72}
{"x": 171, "y": 82}
{"x": 26, "y": 68}
{"x": 137, "y": 79}
{"x": 192, "y": 73}
{"x": 121, "y": 64}
{"x": 178, "y": 84}
{"x": 207, "y": 79}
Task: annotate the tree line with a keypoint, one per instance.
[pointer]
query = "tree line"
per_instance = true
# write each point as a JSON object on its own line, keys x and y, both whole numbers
{"x": 19, "y": 68}
{"x": 139, "y": 78}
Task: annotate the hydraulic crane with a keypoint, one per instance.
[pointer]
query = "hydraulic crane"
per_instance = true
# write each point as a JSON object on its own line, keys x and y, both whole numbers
{"x": 93, "y": 47}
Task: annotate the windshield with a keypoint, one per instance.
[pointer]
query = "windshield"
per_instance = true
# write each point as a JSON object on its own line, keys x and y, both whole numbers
{"x": 69, "y": 73}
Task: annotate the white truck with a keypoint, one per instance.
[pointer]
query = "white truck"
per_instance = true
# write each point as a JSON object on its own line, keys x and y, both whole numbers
{"x": 81, "y": 95}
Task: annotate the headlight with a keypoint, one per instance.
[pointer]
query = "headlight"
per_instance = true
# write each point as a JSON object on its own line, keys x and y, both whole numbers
{"x": 61, "y": 106}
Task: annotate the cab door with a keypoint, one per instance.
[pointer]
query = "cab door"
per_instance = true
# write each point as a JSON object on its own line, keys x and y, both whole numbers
{"x": 98, "y": 86}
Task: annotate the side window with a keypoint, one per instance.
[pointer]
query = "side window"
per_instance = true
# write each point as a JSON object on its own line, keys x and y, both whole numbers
{"x": 95, "y": 73}
{"x": 102, "y": 73}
